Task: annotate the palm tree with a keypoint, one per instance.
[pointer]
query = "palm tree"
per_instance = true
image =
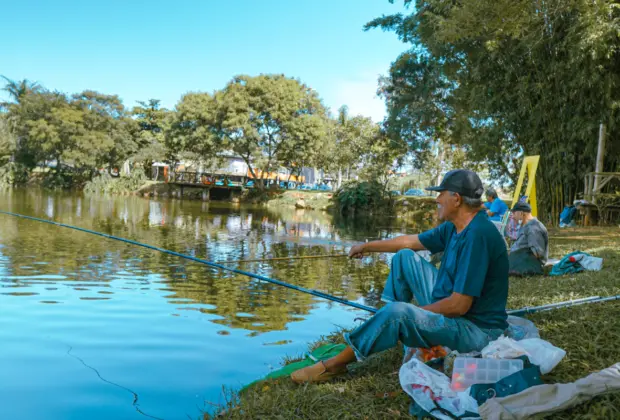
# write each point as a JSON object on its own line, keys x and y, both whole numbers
{"x": 18, "y": 89}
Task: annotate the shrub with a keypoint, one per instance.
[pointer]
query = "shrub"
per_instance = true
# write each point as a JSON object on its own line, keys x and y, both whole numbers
{"x": 13, "y": 174}
{"x": 105, "y": 183}
{"x": 361, "y": 195}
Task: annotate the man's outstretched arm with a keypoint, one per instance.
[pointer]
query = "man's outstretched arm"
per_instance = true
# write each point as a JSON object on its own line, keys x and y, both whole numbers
{"x": 387, "y": 245}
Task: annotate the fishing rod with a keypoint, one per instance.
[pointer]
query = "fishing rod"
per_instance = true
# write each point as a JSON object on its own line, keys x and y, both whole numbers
{"x": 551, "y": 306}
{"x": 522, "y": 311}
{"x": 211, "y": 264}
{"x": 302, "y": 257}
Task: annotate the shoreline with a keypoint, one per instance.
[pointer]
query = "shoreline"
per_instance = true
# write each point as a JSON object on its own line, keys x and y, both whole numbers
{"x": 372, "y": 389}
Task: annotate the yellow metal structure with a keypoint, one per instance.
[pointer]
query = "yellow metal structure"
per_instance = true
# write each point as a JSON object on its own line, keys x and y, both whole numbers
{"x": 530, "y": 165}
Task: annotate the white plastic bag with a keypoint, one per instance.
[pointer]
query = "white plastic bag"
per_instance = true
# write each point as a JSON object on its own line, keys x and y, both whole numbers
{"x": 590, "y": 263}
{"x": 429, "y": 387}
{"x": 540, "y": 352}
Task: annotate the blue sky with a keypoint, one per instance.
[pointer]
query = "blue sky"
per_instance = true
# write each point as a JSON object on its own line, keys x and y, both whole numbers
{"x": 162, "y": 49}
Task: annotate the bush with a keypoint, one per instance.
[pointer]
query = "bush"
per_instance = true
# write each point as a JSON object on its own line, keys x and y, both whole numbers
{"x": 105, "y": 183}
{"x": 57, "y": 181}
{"x": 13, "y": 174}
{"x": 361, "y": 195}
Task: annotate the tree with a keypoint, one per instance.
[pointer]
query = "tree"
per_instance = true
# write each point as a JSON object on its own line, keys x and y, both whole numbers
{"x": 19, "y": 89}
{"x": 353, "y": 137}
{"x": 81, "y": 133}
{"x": 153, "y": 122}
{"x": 28, "y": 120}
{"x": 111, "y": 132}
{"x": 7, "y": 141}
{"x": 194, "y": 132}
{"x": 510, "y": 78}
{"x": 268, "y": 120}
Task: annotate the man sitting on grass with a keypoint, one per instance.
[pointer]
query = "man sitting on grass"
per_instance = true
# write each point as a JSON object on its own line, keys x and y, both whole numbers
{"x": 529, "y": 253}
{"x": 462, "y": 305}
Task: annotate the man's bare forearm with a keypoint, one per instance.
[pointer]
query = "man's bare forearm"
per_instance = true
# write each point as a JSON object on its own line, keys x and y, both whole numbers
{"x": 453, "y": 306}
{"x": 395, "y": 244}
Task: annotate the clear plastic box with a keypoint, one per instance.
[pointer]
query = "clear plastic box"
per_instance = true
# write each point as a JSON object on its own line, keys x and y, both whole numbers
{"x": 468, "y": 371}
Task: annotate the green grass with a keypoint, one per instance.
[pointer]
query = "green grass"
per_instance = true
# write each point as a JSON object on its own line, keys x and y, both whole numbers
{"x": 590, "y": 334}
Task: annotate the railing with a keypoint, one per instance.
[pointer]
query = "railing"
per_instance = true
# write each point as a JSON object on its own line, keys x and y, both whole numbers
{"x": 206, "y": 179}
{"x": 594, "y": 188}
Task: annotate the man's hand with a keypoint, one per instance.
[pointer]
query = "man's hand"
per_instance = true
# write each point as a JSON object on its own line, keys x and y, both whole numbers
{"x": 356, "y": 251}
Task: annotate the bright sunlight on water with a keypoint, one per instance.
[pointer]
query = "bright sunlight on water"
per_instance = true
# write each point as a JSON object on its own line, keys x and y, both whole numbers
{"x": 99, "y": 329}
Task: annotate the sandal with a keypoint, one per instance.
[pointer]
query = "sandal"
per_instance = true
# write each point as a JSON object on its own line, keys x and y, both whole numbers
{"x": 316, "y": 373}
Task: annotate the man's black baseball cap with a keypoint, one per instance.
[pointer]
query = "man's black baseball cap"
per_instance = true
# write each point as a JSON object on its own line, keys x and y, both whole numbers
{"x": 524, "y": 207}
{"x": 462, "y": 181}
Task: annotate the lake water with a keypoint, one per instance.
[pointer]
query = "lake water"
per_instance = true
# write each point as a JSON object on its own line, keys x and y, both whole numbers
{"x": 99, "y": 329}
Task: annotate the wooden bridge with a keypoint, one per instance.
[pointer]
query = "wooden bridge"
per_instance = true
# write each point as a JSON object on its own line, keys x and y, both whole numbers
{"x": 207, "y": 180}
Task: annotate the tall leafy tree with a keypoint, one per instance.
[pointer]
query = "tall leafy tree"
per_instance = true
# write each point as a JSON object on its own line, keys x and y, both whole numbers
{"x": 111, "y": 132}
{"x": 153, "y": 121}
{"x": 7, "y": 141}
{"x": 353, "y": 137}
{"x": 268, "y": 120}
{"x": 507, "y": 79}
{"x": 194, "y": 131}
{"x": 18, "y": 89}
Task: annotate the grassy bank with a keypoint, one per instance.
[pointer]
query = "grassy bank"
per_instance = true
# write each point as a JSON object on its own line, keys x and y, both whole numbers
{"x": 590, "y": 334}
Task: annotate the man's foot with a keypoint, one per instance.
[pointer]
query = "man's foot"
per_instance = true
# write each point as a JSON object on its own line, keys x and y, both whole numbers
{"x": 316, "y": 373}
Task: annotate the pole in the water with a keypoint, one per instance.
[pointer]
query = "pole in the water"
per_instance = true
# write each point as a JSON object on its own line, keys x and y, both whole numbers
{"x": 211, "y": 264}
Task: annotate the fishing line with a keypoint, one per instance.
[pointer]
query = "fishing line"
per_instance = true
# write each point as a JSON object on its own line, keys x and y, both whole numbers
{"x": 135, "y": 395}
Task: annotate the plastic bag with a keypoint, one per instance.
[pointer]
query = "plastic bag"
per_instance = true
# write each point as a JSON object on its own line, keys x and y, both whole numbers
{"x": 430, "y": 389}
{"x": 521, "y": 328}
{"x": 589, "y": 262}
{"x": 540, "y": 352}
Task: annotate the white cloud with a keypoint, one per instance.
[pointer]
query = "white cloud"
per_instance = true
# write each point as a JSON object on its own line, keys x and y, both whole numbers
{"x": 359, "y": 93}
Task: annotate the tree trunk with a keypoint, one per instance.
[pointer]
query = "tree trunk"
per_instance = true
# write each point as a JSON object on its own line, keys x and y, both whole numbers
{"x": 339, "y": 177}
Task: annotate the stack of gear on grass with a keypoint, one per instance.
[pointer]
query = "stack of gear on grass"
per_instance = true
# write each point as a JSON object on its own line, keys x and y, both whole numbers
{"x": 503, "y": 381}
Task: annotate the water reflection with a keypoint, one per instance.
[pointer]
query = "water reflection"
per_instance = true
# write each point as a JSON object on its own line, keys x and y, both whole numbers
{"x": 128, "y": 305}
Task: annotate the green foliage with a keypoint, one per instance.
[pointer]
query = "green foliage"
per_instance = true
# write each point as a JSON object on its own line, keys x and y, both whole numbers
{"x": 268, "y": 120}
{"x": 81, "y": 133}
{"x": 509, "y": 78}
{"x": 153, "y": 122}
{"x": 361, "y": 196}
{"x": 57, "y": 180}
{"x": 360, "y": 148}
{"x": 12, "y": 174}
{"x": 106, "y": 184}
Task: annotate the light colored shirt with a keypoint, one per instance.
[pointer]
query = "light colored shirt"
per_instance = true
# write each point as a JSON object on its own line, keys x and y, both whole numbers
{"x": 533, "y": 236}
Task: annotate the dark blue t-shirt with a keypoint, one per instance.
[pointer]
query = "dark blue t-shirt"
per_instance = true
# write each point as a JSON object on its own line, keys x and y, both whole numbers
{"x": 475, "y": 263}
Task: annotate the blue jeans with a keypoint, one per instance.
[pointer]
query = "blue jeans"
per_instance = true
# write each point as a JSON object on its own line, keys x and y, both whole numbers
{"x": 413, "y": 277}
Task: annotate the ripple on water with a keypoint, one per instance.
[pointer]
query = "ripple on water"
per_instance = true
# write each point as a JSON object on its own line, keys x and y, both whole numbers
{"x": 93, "y": 298}
{"x": 19, "y": 293}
